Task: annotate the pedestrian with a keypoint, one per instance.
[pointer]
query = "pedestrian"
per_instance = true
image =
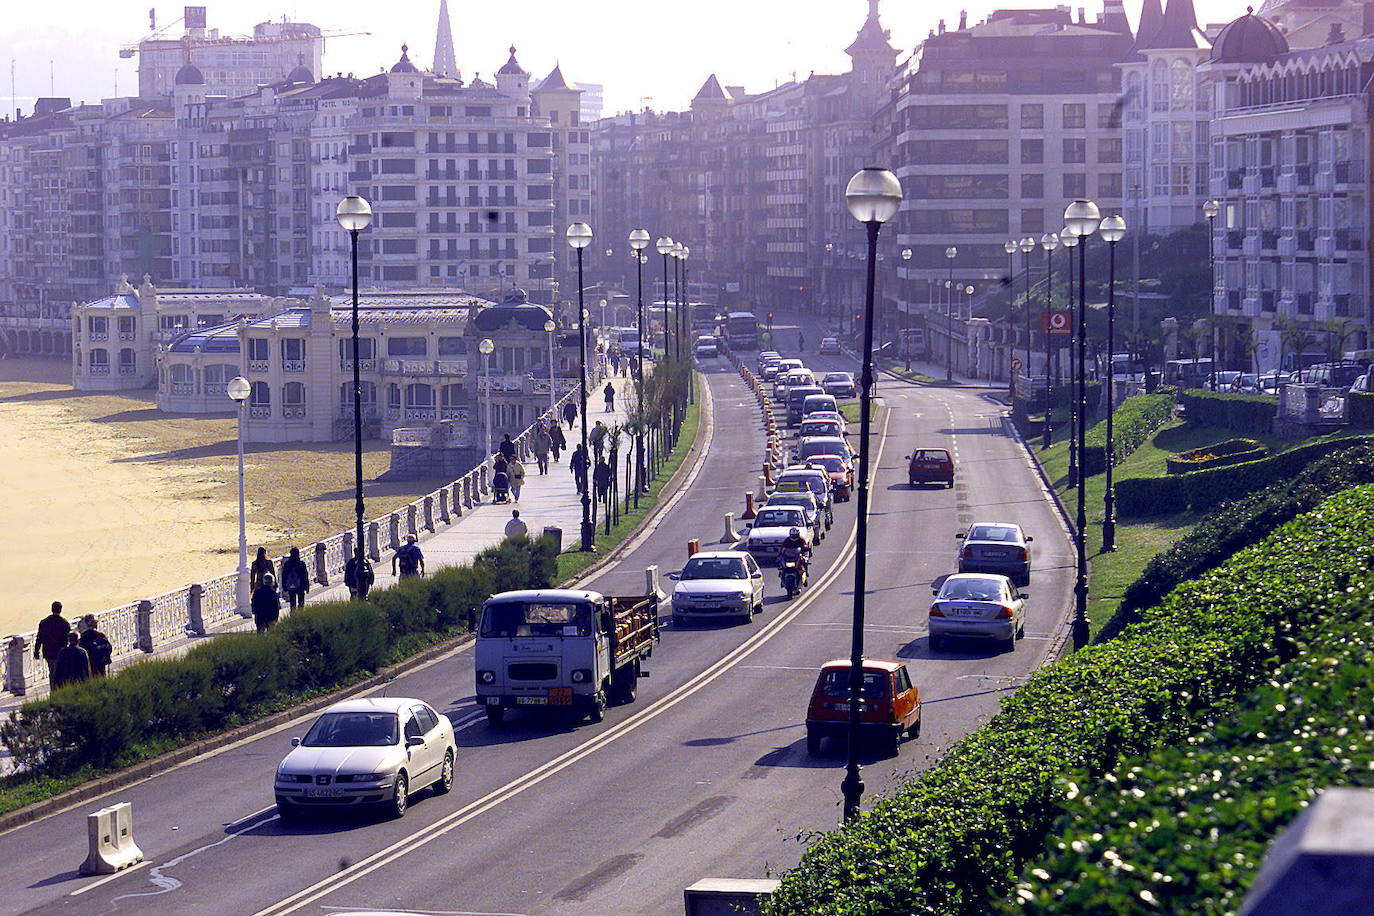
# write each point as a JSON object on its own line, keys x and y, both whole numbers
{"x": 358, "y": 576}
{"x": 597, "y": 437}
{"x": 601, "y": 478}
{"x": 569, "y": 413}
{"x": 615, "y": 362}
{"x": 499, "y": 464}
{"x": 51, "y": 637}
{"x": 500, "y": 487}
{"x": 609, "y": 392}
{"x": 516, "y": 472}
{"x": 295, "y": 579}
{"x": 540, "y": 443}
{"x": 558, "y": 441}
{"x": 266, "y": 604}
{"x": 801, "y": 342}
{"x": 72, "y": 664}
{"x": 410, "y": 559}
{"x": 261, "y": 568}
{"x": 506, "y": 448}
{"x": 516, "y": 527}
{"x": 96, "y": 644}
{"x": 579, "y": 465}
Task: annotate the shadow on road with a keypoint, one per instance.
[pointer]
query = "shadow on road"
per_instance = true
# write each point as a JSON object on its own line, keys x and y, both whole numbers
{"x": 832, "y": 755}
{"x": 953, "y": 650}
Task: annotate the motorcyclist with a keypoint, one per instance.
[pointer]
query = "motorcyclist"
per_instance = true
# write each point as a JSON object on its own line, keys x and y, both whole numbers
{"x": 794, "y": 547}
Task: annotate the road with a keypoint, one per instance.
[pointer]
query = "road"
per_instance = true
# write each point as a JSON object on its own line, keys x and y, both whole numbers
{"x": 706, "y": 775}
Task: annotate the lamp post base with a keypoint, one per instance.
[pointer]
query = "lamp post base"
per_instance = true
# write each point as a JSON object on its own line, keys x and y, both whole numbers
{"x": 852, "y": 788}
{"x": 242, "y": 598}
{"x": 1109, "y": 535}
{"x": 588, "y": 537}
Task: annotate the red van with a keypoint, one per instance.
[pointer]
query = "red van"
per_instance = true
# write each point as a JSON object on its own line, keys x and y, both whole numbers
{"x": 890, "y": 708}
{"x": 930, "y": 465}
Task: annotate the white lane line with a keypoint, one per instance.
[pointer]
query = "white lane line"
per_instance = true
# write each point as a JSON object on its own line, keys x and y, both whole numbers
{"x": 107, "y": 879}
{"x": 392, "y": 909}
{"x": 808, "y": 668}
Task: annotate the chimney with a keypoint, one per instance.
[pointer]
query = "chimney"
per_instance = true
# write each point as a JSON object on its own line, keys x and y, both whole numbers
{"x": 963, "y": 20}
{"x": 942, "y": 27}
{"x": 1082, "y": 16}
{"x": 1367, "y": 24}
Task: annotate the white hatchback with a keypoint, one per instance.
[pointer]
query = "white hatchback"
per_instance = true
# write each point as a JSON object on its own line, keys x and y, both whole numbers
{"x": 373, "y": 752}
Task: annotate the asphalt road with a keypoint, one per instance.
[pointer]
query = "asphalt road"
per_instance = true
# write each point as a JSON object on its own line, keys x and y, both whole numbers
{"x": 705, "y": 776}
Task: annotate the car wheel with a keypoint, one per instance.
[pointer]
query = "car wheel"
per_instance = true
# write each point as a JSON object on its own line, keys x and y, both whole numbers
{"x": 495, "y": 715}
{"x": 914, "y": 731}
{"x": 1021, "y": 630}
{"x": 445, "y": 781}
{"x": 936, "y": 643}
{"x": 749, "y": 614}
{"x": 400, "y": 797}
{"x": 911, "y": 482}
{"x": 813, "y": 743}
{"x": 894, "y": 741}
{"x": 289, "y": 813}
{"x": 949, "y": 484}
{"x": 1011, "y": 642}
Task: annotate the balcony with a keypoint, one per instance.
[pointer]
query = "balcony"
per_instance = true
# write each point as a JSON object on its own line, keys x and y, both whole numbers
{"x": 1349, "y": 172}
{"x": 1266, "y": 176}
{"x": 183, "y": 388}
{"x": 128, "y": 335}
{"x": 364, "y": 365}
{"x": 1268, "y": 300}
{"x": 1234, "y": 238}
{"x": 425, "y": 367}
{"x": 1269, "y": 239}
{"x": 258, "y": 365}
{"x": 1304, "y": 175}
{"x": 293, "y": 365}
{"x": 259, "y": 411}
{"x": 1306, "y": 239}
{"x": 293, "y": 412}
{"x": 98, "y": 335}
{"x": 126, "y": 369}
{"x": 100, "y": 369}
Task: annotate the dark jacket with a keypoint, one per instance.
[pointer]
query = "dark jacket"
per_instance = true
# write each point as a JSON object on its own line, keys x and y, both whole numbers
{"x": 262, "y": 566}
{"x": 506, "y": 448}
{"x": 602, "y": 476}
{"x": 98, "y": 648}
{"x": 295, "y": 575}
{"x": 351, "y": 573}
{"x": 569, "y": 412}
{"x": 556, "y": 434}
{"x": 52, "y": 636}
{"x": 266, "y": 604}
{"x": 579, "y": 461}
{"x": 72, "y": 665}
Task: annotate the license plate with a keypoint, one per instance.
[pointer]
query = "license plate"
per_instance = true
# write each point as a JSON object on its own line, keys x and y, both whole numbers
{"x": 842, "y": 707}
{"x": 968, "y": 612}
{"x": 323, "y": 792}
{"x": 560, "y": 696}
{"x": 531, "y": 701}
{"x": 994, "y": 554}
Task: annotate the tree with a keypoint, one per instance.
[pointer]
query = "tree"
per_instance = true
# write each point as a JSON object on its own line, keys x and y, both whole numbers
{"x": 1295, "y": 337}
{"x": 1339, "y": 332}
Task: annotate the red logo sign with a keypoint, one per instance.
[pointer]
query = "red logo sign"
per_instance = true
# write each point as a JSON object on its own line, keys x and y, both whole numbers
{"x": 1059, "y": 322}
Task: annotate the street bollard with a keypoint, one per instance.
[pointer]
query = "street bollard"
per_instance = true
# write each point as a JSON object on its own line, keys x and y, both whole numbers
{"x": 651, "y": 583}
{"x": 195, "y": 617}
{"x": 110, "y": 841}
{"x": 768, "y": 472}
{"x": 730, "y": 535}
{"x": 763, "y": 490}
{"x": 749, "y": 512}
{"x": 693, "y": 547}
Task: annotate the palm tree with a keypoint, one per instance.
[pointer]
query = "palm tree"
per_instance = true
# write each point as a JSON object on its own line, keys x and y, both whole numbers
{"x": 1294, "y": 337}
{"x": 1339, "y": 332}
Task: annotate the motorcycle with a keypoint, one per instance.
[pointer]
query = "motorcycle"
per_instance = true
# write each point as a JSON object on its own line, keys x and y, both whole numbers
{"x": 792, "y": 576}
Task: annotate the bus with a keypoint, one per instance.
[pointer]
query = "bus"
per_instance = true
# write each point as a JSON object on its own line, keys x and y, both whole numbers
{"x": 742, "y": 331}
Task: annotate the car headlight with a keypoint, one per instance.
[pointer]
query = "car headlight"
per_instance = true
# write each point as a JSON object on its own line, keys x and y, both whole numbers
{"x": 371, "y": 777}
{"x": 581, "y": 676}
{"x": 486, "y": 677}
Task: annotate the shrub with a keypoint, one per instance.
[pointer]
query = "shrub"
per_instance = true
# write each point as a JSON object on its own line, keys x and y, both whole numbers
{"x": 1132, "y": 423}
{"x": 104, "y": 722}
{"x": 1231, "y": 451}
{"x": 1242, "y": 413}
{"x": 1359, "y": 409}
{"x": 957, "y": 835}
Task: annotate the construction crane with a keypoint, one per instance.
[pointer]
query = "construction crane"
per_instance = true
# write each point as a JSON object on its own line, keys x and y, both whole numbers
{"x": 188, "y": 41}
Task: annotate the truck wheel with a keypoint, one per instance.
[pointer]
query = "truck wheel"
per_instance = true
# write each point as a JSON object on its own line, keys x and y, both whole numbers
{"x": 495, "y": 715}
{"x": 624, "y": 683}
{"x": 679, "y": 621}
{"x": 598, "y": 710}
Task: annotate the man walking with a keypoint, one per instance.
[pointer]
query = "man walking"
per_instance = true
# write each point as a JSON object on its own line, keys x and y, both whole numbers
{"x": 266, "y": 604}
{"x": 516, "y": 472}
{"x": 557, "y": 439}
{"x": 609, "y": 392}
{"x": 597, "y": 437}
{"x": 569, "y": 413}
{"x": 51, "y": 637}
{"x": 601, "y": 479}
{"x": 295, "y": 579}
{"x": 358, "y": 576}
{"x": 580, "y": 465}
{"x": 540, "y": 443}
{"x": 507, "y": 448}
{"x": 72, "y": 664}
{"x": 96, "y": 644}
{"x": 410, "y": 559}
{"x": 516, "y": 527}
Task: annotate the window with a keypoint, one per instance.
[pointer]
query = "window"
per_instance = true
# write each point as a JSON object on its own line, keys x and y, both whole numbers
{"x": 453, "y": 396}
{"x": 257, "y": 349}
{"x": 1109, "y": 184}
{"x": 413, "y": 728}
{"x": 428, "y": 721}
{"x": 1075, "y": 115}
{"x": 1075, "y": 150}
{"x": 1032, "y": 117}
{"x": 957, "y": 117}
{"x": 393, "y": 396}
{"x": 405, "y": 346}
{"x": 1075, "y": 185}
{"x": 293, "y": 348}
{"x": 953, "y": 152}
{"x": 1033, "y": 220}
{"x": 293, "y": 399}
{"x": 1032, "y": 152}
{"x": 955, "y": 187}
{"x": 99, "y": 327}
{"x": 367, "y": 348}
{"x": 100, "y": 361}
{"x": 419, "y": 395}
{"x": 452, "y": 346}
{"x": 128, "y": 362}
{"x": 1032, "y": 186}
{"x": 1181, "y": 78}
{"x": 1109, "y": 149}
{"x": 127, "y": 325}
{"x": 260, "y": 395}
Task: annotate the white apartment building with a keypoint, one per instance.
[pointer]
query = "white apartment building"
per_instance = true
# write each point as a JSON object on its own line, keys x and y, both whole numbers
{"x": 230, "y": 66}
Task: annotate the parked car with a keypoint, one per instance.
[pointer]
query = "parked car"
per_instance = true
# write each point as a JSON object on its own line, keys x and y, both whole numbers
{"x": 1269, "y": 382}
{"x": 1227, "y": 380}
{"x": 373, "y": 752}
{"x": 830, "y": 345}
{"x": 980, "y": 606}
{"x": 996, "y": 547}
{"x": 930, "y": 465}
{"x": 718, "y": 583}
{"x": 890, "y": 710}
{"x": 771, "y": 527}
{"x": 839, "y": 384}
{"x": 840, "y": 472}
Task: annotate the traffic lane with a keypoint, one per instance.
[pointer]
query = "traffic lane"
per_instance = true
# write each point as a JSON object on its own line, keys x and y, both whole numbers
{"x": 448, "y": 686}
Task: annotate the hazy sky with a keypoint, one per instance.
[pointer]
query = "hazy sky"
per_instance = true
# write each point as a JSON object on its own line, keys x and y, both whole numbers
{"x": 638, "y": 50}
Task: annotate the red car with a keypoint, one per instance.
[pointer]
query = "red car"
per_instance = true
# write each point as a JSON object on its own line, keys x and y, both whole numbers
{"x": 840, "y": 474}
{"x": 930, "y": 465}
{"x": 890, "y": 709}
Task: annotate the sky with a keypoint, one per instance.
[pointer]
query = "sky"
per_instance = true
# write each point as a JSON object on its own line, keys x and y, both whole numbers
{"x": 644, "y": 53}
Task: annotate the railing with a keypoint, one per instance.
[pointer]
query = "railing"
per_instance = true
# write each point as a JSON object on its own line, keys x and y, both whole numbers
{"x": 126, "y": 369}
{"x": 293, "y": 365}
{"x": 100, "y": 369}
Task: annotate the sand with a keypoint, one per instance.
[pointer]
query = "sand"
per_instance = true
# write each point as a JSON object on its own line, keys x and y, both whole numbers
{"x": 108, "y": 500}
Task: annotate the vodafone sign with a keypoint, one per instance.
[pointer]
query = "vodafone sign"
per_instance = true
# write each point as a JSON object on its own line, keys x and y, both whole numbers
{"x": 1059, "y": 323}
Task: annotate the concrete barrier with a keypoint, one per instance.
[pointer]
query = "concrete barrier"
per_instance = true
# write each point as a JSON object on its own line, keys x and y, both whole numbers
{"x": 750, "y": 513}
{"x": 730, "y": 535}
{"x": 651, "y": 586}
{"x": 1322, "y": 864}
{"x": 728, "y": 896}
{"x": 110, "y": 841}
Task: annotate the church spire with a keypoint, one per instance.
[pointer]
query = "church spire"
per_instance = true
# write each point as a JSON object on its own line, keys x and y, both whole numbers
{"x": 872, "y": 36}
{"x": 445, "y": 64}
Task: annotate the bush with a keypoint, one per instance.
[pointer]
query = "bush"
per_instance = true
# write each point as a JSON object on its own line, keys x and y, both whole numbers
{"x": 1242, "y": 413}
{"x": 1231, "y": 451}
{"x": 1200, "y": 490}
{"x": 1359, "y": 409}
{"x": 1132, "y": 423}
{"x": 1214, "y": 806}
{"x": 224, "y": 681}
{"x": 956, "y": 836}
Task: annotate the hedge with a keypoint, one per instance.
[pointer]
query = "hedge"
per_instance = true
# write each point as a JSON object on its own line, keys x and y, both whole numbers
{"x": 954, "y": 838}
{"x": 1231, "y": 451}
{"x": 1200, "y": 490}
{"x": 1359, "y": 409}
{"x": 1239, "y": 524}
{"x": 1132, "y": 423}
{"x": 1242, "y": 413}
{"x": 1186, "y": 829}
{"x": 104, "y": 722}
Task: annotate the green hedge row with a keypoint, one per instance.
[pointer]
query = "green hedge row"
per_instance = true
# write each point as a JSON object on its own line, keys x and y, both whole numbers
{"x": 1200, "y": 490}
{"x": 1232, "y": 451}
{"x": 230, "y": 679}
{"x": 1359, "y": 409}
{"x": 1241, "y": 523}
{"x": 1132, "y": 423}
{"x": 955, "y": 838}
{"x": 1242, "y": 413}
{"x": 1186, "y": 829}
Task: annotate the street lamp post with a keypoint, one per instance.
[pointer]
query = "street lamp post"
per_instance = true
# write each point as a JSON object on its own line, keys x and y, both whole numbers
{"x": 1082, "y": 218}
{"x": 238, "y": 390}
{"x": 1070, "y": 241}
{"x": 639, "y": 240}
{"x": 550, "y": 326}
{"x": 486, "y": 347}
{"x": 1027, "y": 245}
{"x": 1049, "y": 241}
{"x": 906, "y": 314}
{"x": 665, "y": 248}
{"x": 1210, "y": 210}
{"x": 686, "y": 309}
{"x": 354, "y": 215}
{"x": 873, "y": 197}
{"x": 579, "y": 236}
{"x": 950, "y": 254}
{"x": 1112, "y": 230}
{"x": 1010, "y": 246}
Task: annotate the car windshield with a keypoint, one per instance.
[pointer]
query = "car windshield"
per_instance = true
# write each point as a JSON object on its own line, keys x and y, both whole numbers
{"x": 779, "y": 518}
{"x": 714, "y": 568}
{"x": 518, "y": 618}
{"x": 993, "y": 533}
{"x": 832, "y": 463}
{"x": 820, "y": 446}
{"x": 819, "y": 428}
{"x": 837, "y": 377}
{"x": 802, "y": 500}
{"x": 971, "y": 590}
{"x": 932, "y": 454}
{"x": 835, "y": 683}
{"x": 352, "y": 729}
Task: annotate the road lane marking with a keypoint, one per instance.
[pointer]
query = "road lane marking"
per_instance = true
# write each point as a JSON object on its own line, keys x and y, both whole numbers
{"x": 539, "y": 774}
{"x": 107, "y": 879}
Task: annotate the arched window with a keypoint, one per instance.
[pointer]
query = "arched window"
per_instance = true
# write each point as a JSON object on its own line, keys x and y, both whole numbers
{"x": 260, "y": 396}
{"x": 216, "y": 377}
{"x": 183, "y": 379}
{"x": 293, "y": 400}
{"x": 128, "y": 361}
{"x": 100, "y": 361}
{"x": 1182, "y": 85}
{"x": 1159, "y": 86}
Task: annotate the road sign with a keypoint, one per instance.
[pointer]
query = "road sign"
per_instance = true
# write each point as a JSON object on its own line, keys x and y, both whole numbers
{"x": 1059, "y": 322}
{"x": 1015, "y": 362}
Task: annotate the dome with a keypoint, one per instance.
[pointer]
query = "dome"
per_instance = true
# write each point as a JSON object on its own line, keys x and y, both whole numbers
{"x": 511, "y": 67}
{"x": 404, "y": 65}
{"x": 514, "y": 307}
{"x": 301, "y": 74}
{"x": 190, "y": 75}
{"x": 1248, "y": 40}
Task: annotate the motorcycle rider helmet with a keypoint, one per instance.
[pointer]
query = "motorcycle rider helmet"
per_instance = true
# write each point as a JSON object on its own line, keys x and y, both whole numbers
{"x": 795, "y": 532}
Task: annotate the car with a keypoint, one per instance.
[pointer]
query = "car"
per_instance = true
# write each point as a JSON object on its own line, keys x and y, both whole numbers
{"x": 839, "y": 471}
{"x": 811, "y": 478}
{"x": 830, "y": 345}
{"x": 996, "y": 547}
{"x": 706, "y": 347}
{"x": 839, "y": 384}
{"x": 822, "y": 427}
{"x": 718, "y": 583}
{"x": 827, "y": 415}
{"x": 770, "y": 366}
{"x": 771, "y": 527}
{"x": 797, "y": 396}
{"x": 372, "y": 752}
{"x": 977, "y": 605}
{"x": 1227, "y": 380}
{"x": 890, "y": 707}
{"x": 819, "y": 402}
{"x": 783, "y": 367}
{"x": 1270, "y": 382}
{"x": 795, "y": 378}
{"x": 823, "y": 445}
{"x": 811, "y": 507}
{"x": 930, "y": 465}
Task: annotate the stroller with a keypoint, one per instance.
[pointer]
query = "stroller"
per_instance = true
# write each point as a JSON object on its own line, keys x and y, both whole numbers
{"x": 500, "y": 487}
